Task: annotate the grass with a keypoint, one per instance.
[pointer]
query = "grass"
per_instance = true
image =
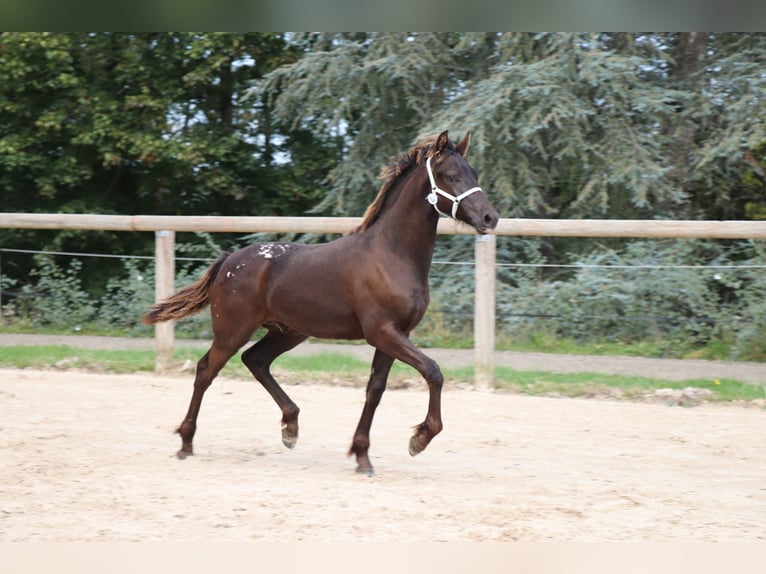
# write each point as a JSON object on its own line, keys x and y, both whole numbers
{"x": 596, "y": 384}
{"x": 48, "y": 356}
{"x": 117, "y": 361}
{"x": 340, "y": 368}
{"x": 542, "y": 342}
{"x": 718, "y": 350}
{"x": 432, "y": 333}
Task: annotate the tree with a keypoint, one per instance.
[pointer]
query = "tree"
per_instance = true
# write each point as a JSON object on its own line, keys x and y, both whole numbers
{"x": 567, "y": 125}
{"x": 371, "y": 93}
{"x": 154, "y": 123}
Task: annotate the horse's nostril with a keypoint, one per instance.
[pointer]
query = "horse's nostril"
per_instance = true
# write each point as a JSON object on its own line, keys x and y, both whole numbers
{"x": 490, "y": 220}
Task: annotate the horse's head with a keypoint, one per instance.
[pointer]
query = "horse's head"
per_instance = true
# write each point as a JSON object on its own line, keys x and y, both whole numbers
{"x": 454, "y": 185}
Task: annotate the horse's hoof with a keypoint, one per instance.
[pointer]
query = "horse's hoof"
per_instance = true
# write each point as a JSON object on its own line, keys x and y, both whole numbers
{"x": 288, "y": 440}
{"x": 414, "y": 447}
{"x": 182, "y": 454}
{"x": 368, "y": 471}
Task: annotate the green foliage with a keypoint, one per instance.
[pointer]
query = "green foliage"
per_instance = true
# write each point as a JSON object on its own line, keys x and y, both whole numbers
{"x": 747, "y": 321}
{"x": 122, "y": 120}
{"x": 566, "y": 124}
{"x": 47, "y": 356}
{"x": 652, "y": 298}
{"x": 57, "y": 297}
{"x": 146, "y": 123}
{"x": 57, "y": 300}
{"x": 127, "y": 297}
{"x": 650, "y": 291}
{"x": 370, "y": 93}
{"x": 600, "y": 385}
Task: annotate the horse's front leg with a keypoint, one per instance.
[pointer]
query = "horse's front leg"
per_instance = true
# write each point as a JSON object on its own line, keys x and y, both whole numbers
{"x": 398, "y": 345}
{"x": 381, "y": 365}
{"x": 432, "y": 425}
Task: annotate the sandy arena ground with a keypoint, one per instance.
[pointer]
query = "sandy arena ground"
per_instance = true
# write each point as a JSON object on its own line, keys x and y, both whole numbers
{"x": 90, "y": 457}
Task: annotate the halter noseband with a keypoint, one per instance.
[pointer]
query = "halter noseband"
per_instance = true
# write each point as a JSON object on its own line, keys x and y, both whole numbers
{"x": 435, "y": 189}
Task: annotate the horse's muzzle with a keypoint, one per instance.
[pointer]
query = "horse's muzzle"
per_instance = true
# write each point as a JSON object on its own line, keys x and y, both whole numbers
{"x": 487, "y": 221}
{"x": 491, "y": 219}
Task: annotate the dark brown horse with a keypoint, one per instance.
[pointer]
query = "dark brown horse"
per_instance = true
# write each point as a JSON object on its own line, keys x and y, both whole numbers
{"x": 371, "y": 284}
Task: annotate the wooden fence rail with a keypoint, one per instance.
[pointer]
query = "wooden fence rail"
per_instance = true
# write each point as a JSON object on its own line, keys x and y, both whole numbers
{"x": 165, "y": 227}
{"x": 528, "y": 227}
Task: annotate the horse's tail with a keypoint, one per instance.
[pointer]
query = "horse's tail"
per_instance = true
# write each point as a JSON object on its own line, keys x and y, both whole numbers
{"x": 189, "y": 300}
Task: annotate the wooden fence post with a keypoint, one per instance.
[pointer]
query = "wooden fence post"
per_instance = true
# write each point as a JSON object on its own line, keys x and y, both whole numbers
{"x": 484, "y": 311}
{"x": 165, "y": 271}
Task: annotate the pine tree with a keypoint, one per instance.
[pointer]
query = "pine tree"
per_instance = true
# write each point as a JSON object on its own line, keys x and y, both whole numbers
{"x": 565, "y": 124}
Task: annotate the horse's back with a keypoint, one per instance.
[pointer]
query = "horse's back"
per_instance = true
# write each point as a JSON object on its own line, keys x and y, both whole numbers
{"x": 304, "y": 287}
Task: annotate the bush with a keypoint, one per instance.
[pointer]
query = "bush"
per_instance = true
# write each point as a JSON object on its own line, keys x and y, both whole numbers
{"x": 649, "y": 292}
{"x": 646, "y": 291}
{"x": 746, "y": 322}
{"x": 127, "y": 298}
{"x": 57, "y": 298}
{"x": 130, "y": 296}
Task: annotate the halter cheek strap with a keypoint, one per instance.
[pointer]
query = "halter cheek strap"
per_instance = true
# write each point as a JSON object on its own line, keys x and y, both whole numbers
{"x": 433, "y": 199}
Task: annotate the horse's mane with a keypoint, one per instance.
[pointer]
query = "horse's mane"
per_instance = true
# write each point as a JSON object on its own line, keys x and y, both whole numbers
{"x": 391, "y": 175}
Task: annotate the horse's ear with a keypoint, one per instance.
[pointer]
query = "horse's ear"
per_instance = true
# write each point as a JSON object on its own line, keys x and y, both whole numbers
{"x": 441, "y": 143}
{"x": 465, "y": 143}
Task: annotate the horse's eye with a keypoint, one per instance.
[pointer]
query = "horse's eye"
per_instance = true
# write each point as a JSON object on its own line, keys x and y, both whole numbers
{"x": 451, "y": 178}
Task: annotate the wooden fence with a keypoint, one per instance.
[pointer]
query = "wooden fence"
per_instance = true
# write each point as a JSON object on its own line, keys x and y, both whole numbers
{"x": 484, "y": 308}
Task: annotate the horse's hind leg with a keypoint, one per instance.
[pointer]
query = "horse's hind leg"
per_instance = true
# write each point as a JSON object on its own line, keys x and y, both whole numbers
{"x": 258, "y": 359}
{"x": 381, "y": 365}
{"x": 207, "y": 369}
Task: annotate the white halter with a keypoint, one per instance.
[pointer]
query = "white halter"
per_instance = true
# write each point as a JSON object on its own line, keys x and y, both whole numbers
{"x": 433, "y": 199}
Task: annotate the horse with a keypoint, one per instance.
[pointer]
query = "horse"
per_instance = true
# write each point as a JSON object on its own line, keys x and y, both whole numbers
{"x": 371, "y": 284}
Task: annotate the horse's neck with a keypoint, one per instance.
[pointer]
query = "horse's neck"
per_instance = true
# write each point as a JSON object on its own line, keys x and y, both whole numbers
{"x": 409, "y": 222}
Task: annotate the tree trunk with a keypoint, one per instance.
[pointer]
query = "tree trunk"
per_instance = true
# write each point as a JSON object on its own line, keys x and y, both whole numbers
{"x": 226, "y": 105}
{"x": 688, "y": 62}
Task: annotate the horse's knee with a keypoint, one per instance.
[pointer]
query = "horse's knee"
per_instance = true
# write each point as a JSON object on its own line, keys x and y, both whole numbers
{"x": 375, "y": 389}
{"x": 433, "y": 374}
{"x": 377, "y": 384}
